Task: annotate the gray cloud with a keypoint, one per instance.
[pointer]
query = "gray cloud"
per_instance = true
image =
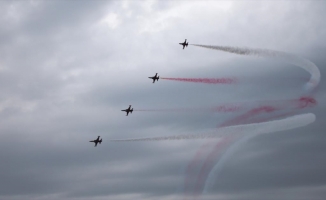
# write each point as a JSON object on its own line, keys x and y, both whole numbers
{"x": 68, "y": 68}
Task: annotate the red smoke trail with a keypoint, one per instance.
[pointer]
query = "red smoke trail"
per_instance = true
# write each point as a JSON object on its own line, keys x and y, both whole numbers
{"x": 219, "y": 146}
{"x": 266, "y": 106}
{"x": 241, "y": 119}
{"x": 205, "y": 80}
{"x": 222, "y": 145}
{"x": 192, "y": 167}
{"x": 300, "y": 103}
{"x": 225, "y": 142}
{"x": 307, "y": 101}
{"x": 218, "y": 150}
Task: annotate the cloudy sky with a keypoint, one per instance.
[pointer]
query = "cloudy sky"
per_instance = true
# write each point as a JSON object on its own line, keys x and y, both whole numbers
{"x": 67, "y": 68}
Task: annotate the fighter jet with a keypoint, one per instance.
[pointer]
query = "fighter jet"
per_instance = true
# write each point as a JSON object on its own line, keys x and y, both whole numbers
{"x": 98, "y": 140}
{"x": 155, "y": 78}
{"x": 185, "y": 44}
{"x": 128, "y": 110}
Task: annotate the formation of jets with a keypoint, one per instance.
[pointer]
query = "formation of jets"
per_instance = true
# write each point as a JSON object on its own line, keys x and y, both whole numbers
{"x": 129, "y": 110}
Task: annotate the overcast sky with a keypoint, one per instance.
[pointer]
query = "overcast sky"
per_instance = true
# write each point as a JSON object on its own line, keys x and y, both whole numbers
{"x": 67, "y": 68}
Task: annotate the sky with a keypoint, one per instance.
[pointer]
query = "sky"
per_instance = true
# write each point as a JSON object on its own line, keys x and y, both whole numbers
{"x": 68, "y": 68}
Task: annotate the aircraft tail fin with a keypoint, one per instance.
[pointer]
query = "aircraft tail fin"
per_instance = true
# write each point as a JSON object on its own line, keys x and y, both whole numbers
{"x": 158, "y": 78}
{"x": 131, "y": 110}
{"x": 100, "y": 141}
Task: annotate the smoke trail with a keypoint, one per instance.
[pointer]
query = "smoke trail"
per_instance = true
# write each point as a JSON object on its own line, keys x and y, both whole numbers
{"x": 251, "y": 116}
{"x": 219, "y": 149}
{"x": 246, "y": 116}
{"x": 292, "y": 59}
{"x": 215, "y": 169}
{"x": 264, "y": 127}
{"x": 210, "y": 171}
{"x": 218, "y": 167}
{"x": 189, "y": 178}
{"x": 205, "y": 80}
{"x": 222, "y": 108}
{"x": 234, "y": 147}
{"x": 266, "y": 106}
{"x": 306, "y": 101}
{"x": 206, "y": 170}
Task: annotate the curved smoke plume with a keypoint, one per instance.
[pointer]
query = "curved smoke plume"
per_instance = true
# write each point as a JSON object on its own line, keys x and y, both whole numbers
{"x": 286, "y": 57}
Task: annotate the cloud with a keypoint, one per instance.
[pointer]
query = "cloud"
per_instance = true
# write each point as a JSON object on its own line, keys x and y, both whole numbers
{"x": 65, "y": 76}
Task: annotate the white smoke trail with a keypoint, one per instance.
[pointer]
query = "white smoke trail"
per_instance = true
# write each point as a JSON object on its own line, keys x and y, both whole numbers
{"x": 289, "y": 58}
{"x": 220, "y": 163}
{"x": 264, "y": 127}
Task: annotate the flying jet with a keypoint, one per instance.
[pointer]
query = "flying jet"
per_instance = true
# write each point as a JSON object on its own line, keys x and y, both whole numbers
{"x": 185, "y": 44}
{"x": 129, "y": 110}
{"x": 155, "y": 78}
{"x": 98, "y": 140}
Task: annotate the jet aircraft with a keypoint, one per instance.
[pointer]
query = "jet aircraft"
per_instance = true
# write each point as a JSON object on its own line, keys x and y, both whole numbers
{"x": 185, "y": 44}
{"x": 128, "y": 110}
{"x": 155, "y": 78}
{"x": 98, "y": 140}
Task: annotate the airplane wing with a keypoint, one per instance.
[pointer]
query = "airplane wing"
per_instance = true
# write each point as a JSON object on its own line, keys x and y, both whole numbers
{"x": 153, "y": 80}
{"x": 184, "y": 46}
{"x": 95, "y": 144}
